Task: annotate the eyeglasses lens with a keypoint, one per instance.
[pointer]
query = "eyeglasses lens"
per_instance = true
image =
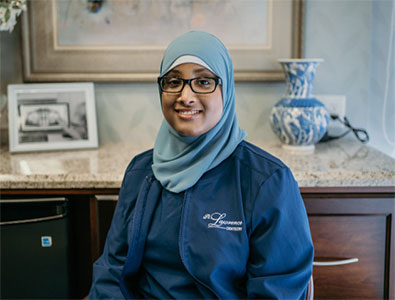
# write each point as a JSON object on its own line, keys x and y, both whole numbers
{"x": 201, "y": 85}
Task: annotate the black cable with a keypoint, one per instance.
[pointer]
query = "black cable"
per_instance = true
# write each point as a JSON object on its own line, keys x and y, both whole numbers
{"x": 360, "y": 133}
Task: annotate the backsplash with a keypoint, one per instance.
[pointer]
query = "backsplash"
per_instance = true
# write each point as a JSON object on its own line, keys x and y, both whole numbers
{"x": 131, "y": 112}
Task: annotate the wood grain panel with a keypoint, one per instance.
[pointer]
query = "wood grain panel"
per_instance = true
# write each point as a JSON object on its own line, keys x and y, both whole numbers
{"x": 106, "y": 212}
{"x": 338, "y": 236}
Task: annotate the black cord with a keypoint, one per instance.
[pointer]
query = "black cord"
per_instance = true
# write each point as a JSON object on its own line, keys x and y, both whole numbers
{"x": 360, "y": 133}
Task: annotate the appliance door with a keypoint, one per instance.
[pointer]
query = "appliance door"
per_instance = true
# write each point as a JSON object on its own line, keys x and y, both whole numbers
{"x": 34, "y": 249}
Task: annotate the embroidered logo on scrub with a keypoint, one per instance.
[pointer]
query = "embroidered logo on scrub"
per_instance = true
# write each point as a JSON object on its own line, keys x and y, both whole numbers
{"x": 219, "y": 222}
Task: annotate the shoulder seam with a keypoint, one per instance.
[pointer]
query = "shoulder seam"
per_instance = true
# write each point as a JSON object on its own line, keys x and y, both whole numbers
{"x": 260, "y": 155}
{"x": 279, "y": 165}
{"x": 135, "y": 159}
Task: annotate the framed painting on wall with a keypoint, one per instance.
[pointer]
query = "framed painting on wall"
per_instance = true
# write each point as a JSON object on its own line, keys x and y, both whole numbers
{"x": 124, "y": 40}
{"x": 55, "y": 116}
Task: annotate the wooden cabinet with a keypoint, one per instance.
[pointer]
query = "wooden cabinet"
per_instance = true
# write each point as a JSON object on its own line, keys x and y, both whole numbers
{"x": 353, "y": 236}
{"x": 105, "y": 209}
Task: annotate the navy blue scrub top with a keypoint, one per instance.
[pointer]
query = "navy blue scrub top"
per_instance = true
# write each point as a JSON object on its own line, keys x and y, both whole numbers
{"x": 163, "y": 274}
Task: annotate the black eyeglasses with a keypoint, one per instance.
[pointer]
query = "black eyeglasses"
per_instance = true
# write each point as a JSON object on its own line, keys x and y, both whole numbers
{"x": 199, "y": 85}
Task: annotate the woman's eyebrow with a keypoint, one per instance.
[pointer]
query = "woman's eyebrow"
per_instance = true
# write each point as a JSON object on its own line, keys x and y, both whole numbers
{"x": 203, "y": 71}
{"x": 175, "y": 71}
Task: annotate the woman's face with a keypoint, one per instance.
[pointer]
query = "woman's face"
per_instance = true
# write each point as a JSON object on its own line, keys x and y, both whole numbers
{"x": 192, "y": 114}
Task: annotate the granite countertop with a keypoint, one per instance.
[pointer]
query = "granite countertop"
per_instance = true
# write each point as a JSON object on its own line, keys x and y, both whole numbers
{"x": 335, "y": 164}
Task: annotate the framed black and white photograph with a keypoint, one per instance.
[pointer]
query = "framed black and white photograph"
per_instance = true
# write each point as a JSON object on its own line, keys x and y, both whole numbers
{"x": 52, "y": 117}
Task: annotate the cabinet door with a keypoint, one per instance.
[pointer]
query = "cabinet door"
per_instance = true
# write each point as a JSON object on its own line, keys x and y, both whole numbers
{"x": 106, "y": 207}
{"x": 353, "y": 241}
{"x": 349, "y": 255}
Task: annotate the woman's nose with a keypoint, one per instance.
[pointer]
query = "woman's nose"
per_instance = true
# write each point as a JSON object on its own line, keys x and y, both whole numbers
{"x": 187, "y": 96}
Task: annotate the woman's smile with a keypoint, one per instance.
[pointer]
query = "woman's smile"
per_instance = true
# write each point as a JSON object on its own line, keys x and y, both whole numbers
{"x": 187, "y": 114}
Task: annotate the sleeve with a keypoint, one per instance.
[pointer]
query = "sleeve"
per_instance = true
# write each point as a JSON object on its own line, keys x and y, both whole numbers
{"x": 108, "y": 268}
{"x": 281, "y": 248}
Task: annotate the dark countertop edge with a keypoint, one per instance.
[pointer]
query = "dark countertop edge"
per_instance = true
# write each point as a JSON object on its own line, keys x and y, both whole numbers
{"x": 115, "y": 190}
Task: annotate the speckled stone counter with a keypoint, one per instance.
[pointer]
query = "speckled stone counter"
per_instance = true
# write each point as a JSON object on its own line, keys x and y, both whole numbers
{"x": 335, "y": 164}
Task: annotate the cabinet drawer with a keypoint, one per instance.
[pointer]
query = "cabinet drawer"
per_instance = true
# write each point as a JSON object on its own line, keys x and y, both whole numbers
{"x": 339, "y": 237}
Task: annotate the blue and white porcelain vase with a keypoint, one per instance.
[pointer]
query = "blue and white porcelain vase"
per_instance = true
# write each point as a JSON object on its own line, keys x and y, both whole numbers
{"x": 299, "y": 119}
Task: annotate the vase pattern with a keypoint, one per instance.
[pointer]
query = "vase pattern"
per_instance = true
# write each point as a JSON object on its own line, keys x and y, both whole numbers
{"x": 299, "y": 119}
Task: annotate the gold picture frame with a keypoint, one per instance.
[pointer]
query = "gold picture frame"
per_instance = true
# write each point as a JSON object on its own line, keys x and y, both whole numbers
{"x": 47, "y": 60}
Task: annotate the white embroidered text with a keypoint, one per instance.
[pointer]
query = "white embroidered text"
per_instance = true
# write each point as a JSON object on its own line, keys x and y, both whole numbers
{"x": 220, "y": 223}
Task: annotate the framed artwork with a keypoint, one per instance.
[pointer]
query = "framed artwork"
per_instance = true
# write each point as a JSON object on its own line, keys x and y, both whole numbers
{"x": 124, "y": 40}
{"x": 54, "y": 116}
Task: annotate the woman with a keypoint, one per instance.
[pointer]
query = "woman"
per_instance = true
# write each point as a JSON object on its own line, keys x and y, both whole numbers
{"x": 204, "y": 214}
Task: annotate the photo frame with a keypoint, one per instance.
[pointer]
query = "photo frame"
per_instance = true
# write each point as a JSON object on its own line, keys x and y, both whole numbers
{"x": 109, "y": 47}
{"x": 53, "y": 116}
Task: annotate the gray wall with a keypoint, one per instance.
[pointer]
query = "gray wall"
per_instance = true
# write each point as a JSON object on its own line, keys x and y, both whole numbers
{"x": 381, "y": 96}
{"x": 351, "y": 35}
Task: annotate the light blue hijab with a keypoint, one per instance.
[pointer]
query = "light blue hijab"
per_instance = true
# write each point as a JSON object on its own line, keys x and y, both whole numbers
{"x": 180, "y": 161}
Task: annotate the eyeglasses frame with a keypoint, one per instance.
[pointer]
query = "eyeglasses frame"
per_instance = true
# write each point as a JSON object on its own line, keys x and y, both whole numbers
{"x": 217, "y": 80}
